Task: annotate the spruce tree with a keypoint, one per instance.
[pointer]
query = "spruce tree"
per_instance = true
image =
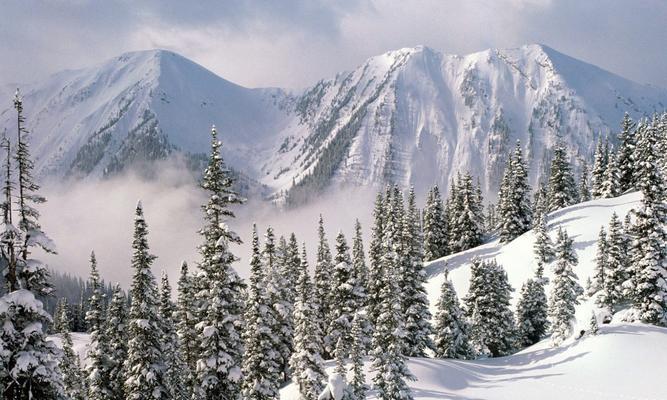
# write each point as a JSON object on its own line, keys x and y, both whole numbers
{"x": 220, "y": 289}
{"x": 542, "y": 247}
{"x": 174, "y": 365}
{"x": 565, "y": 290}
{"x": 515, "y": 209}
{"x": 70, "y": 365}
{"x": 358, "y": 387}
{"x": 435, "y": 226}
{"x": 117, "y": 336}
{"x": 417, "y": 316}
{"x": 468, "y": 214}
{"x": 98, "y": 356}
{"x": 375, "y": 271}
{"x": 306, "y": 362}
{"x": 611, "y": 186}
{"x": 625, "y": 156}
{"x": 450, "y": 326}
{"x": 323, "y": 272}
{"x": 532, "y": 310}
{"x": 27, "y": 279}
{"x": 615, "y": 267}
{"x": 493, "y": 331}
{"x": 361, "y": 274}
{"x": 648, "y": 271}
{"x": 599, "y": 172}
{"x": 145, "y": 363}
{"x": 562, "y": 188}
{"x": 261, "y": 360}
{"x": 601, "y": 265}
{"x": 343, "y": 300}
{"x": 584, "y": 185}
{"x": 185, "y": 327}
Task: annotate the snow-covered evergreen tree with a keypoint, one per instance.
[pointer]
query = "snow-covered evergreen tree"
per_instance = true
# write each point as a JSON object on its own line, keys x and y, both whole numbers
{"x": 514, "y": 202}
{"x": 599, "y": 172}
{"x": 262, "y": 358}
{"x": 117, "y": 337}
{"x": 306, "y": 362}
{"x": 450, "y": 326}
{"x": 625, "y": 161}
{"x": 467, "y": 216}
{"x": 58, "y": 313}
{"x": 531, "y": 312}
{"x": 435, "y": 226}
{"x": 565, "y": 290}
{"x": 616, "y": 265}
{"x": 145, "y": 363}
{"x": 648, "y": 266}
{"x": 358, "y": 387}
{"x": 70, "y": 365}
{"x": 323, "y": 272}
{"x": 174, "y": 366}
{"x": 611, "y": 186}
{"x": 493, "y": 330}
{"x": 220, "y": 289}
{"x": 98, "y": 356}
{"x": 413, "y": 278}
{"x": 290, "y": 267}
{"x": 584, "y": 184}
{"x": 562, "y": 188}
{"x": 185, "y": 327}
{"x": 601, "y": 265}
{"x": 343, "y": 303}
{"x": 375, "y": 271}
{"x": 543, "y": 247}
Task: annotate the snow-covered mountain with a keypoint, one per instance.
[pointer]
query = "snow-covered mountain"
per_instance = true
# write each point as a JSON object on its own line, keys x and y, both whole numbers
{"x": 411, "y": 116}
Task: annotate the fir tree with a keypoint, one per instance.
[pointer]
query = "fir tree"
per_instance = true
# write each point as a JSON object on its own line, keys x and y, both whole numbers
{"x": 98, "y": 367}
{"x": 593, "y": 327}
{"x": 467, "y": 215}
{"x": 117, "y": 336}
{"x": 450, "y": 326}
{"x": 145, "y": 364}
{"x": 361, "y": 284}
{"x": 532, "y": 310}
{"x": 261, "y": 361}
{"x": 435, "y": 226}
{"x": 70, "y": 365}
{"x": 375, "y": 271}
{"x": 564, "y": 291}
{"x": 488, "y": 305}
{"x": 358, "y": 387}
{"x": 185, "y": 327}
{"x": 514, "y": 202}
{"x": 615, "y": 267}
{"x": 543, "y": 247}
{"x": 599, "y": 172}
{"x": 306, "y": 361}
{"x": 584, "y": 185}
{"x": 219, "y": 297}
{"x": 625, "y": 154}
{"x": 610, "y": 186}
{"x": 174, "y": 365}
{"x": 562, "y": 189}
{"x": 323, "y": 272}
{"x": 343, "y": 301}
{"x": 601, "y": 265}
{"x": 413, "y": 278}
{"x": 647, "y": 286}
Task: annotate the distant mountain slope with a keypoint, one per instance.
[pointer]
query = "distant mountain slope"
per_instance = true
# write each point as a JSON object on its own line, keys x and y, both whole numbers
{"x": 411, "y": 116}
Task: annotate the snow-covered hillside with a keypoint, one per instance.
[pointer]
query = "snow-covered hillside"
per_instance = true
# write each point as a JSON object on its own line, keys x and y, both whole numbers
{"x": 622, "y": 362}
{"x": 410, "y": 116}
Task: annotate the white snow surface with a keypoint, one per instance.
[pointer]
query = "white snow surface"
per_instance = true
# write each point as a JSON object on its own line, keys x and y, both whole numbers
{"x": 416, "y": 116}
{"x": 624, "y": 361}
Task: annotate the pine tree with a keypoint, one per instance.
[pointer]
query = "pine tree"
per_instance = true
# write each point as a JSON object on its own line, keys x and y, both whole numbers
{"x": 26, "y": 279}
{"x": 358, "y": 387}
{"x": 599, "y": 168}
{"x": 174, "y": 365}
{"x": 468, "y": 216}
{"x": 261, "y": 360}
{"x": 564, "y": 291}
{"x": 145, "y": 364}
{"x": 306, "y": 361}
{"x": 343, "y": 301}
{"x": 532, "y": 310}
{"x": 413, "y": 278}
{"x": 610, "y": 186}
{"x": 601, "y": 265}
{"x": 514, "y": 202}
{"x": 290, "y": 268}
{"x": 584, "y": 185}
{"x": 562, "y": 189}
{"x": 98, "y": 356}
{"x": 647, "y": 286}
{"x": 615, "y": 267}
{"x": 323, "y": 272}
{"x": 185, "y": 327}
{"x": 374, "y": 282}
{"x": 493, "y": 330}
{"x": 543, "y": 247}
{"x": 70, "y": 365}
{"x": 220, "y": 289}
{"x": 435, "y": 226}
{"x": 117, "y": 336}
{"x": 450, "y": 326}
{"x": 625, "y": 160}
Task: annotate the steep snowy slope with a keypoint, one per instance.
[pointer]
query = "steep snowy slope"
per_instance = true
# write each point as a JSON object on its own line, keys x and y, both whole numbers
{"x": 622, "y": 362}
{"x": 410, "y": 116}
{"x": 141, "y": 106}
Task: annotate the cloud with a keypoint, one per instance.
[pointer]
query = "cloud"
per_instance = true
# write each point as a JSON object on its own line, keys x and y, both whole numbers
{"x": 294, "y": 43}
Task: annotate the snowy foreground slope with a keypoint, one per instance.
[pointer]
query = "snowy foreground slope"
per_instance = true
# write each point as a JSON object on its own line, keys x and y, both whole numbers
{"x": 623, "y": 362}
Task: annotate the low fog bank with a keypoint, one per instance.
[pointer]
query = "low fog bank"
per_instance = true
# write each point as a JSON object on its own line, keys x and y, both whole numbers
{"x": 85, "y": 216}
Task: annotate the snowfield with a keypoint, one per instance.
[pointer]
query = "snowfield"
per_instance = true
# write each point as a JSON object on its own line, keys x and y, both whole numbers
{"x": 624, "y": 361}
